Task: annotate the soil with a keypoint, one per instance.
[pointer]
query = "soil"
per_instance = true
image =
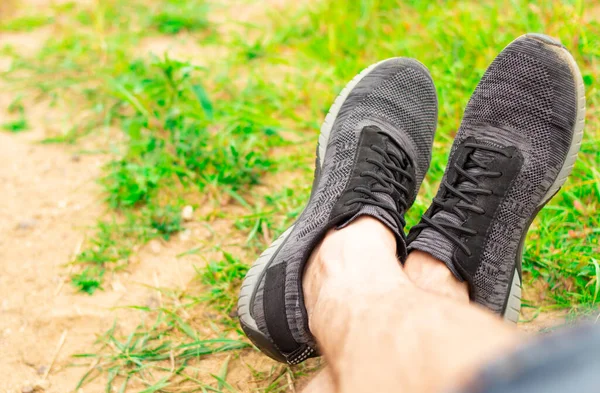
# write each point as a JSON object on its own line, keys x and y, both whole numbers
{"x": 48, "y": 201}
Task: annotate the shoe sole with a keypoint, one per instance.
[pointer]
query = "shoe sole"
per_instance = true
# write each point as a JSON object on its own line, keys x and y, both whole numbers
{"x": 256, "y": 271}
{"x": 513, "y": 304}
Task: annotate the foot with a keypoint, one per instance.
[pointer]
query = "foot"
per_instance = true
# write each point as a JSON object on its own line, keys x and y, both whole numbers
{"x": 517, "y": 144}
{"x": 374, "y": 150}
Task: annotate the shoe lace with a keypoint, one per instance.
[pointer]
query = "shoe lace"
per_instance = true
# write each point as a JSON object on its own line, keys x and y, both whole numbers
{"x": 459, "y": 196}
{"x": 392, "y": 171}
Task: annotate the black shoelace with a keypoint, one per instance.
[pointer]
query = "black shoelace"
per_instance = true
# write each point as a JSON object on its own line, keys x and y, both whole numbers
{"x": 459, "y": 197}
{"x": 393, "y": 170}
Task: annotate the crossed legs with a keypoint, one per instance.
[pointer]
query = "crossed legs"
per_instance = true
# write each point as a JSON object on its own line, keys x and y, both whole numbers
{"x": 386, "y": 328}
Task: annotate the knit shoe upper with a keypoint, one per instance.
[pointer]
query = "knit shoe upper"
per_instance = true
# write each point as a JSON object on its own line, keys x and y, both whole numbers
{"x": 515, "y": 147}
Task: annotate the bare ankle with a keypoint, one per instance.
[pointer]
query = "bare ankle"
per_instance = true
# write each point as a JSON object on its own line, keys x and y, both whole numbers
{"x": 350, "y": 255}
{"x": 432, "y": 275}
{"x": 346, "y": 259}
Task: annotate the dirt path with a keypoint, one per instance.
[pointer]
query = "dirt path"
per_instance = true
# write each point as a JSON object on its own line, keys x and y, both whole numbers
{"x": 47, "y": 199}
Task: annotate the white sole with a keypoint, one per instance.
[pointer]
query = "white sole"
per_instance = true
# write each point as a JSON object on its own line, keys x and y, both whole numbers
{"x": 513, "y": 305}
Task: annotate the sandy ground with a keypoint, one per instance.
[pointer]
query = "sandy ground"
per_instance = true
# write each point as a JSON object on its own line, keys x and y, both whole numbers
{"x": 49, "y": 199}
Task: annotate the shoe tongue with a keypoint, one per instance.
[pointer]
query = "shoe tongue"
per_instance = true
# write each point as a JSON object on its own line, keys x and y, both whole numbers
{"x": 436, "y": 244}
{"x": 482, "y": 156}
{"x": 430, "y": 239}
{"x": 382, "y": 215}
{"x": 377, "y": 212}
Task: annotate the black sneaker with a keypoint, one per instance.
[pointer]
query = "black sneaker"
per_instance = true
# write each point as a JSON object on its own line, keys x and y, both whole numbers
{"x": 373, "y": 152}
{"x": 517, "y": 144}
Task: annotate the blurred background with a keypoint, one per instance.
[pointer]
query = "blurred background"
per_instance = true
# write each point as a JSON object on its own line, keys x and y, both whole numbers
{"x": 149, "y": 151}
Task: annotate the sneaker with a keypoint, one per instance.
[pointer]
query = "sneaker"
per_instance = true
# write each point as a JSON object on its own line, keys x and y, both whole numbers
{"x": 373, "y": 152}
{"x": 517, "y": 143}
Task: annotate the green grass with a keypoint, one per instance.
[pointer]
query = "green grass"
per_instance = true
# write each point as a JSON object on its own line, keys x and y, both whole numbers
{"x": 208, "y": 135}
{"x": 16, "y": 126}
{"x": 20, "y": 124}
{"x": 156, "y": 355}
{"x": 165, "y": 352}
{"x": 174, "y": 16}
{"x": 25, "y": 23}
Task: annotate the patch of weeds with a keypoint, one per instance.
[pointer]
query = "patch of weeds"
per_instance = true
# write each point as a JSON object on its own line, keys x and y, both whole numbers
{"x": 173, "y": 144}
{"x": 272, "y": 214}
{"x": 174, "y": 17}
{"x": 169, "y": 124}
{"x": 89, "y": 280}
{"x": 16, "y": 125}
{"x": 166, "y": 221}
{"x": 107, "y": 244}
{"x": 115, "y": 240}
{"x": 25, "y": 23}
{"x": 157, "y": 355}
{"x": 222, "y": 280}
{"x": 251, "y": 50}
{"x": 129, "y": 184}
{"x": 21, "y": 124}
{"x": 279, "y": 378}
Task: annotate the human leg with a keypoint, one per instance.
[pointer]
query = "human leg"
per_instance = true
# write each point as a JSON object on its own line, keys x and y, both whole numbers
{"x": 380, "y": 332}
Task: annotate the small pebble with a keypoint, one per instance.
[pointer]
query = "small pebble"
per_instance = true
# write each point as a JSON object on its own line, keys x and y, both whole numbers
{"x": 41, "y": 370}
{"x": 27, "y": 224}
{"x": 27, "y": 389}
{"x": 187, "y": 213}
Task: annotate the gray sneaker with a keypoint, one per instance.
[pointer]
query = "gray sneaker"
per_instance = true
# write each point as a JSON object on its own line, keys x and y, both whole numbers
{"x": 373, "y": 152}
{"x": 517, "y": 144}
